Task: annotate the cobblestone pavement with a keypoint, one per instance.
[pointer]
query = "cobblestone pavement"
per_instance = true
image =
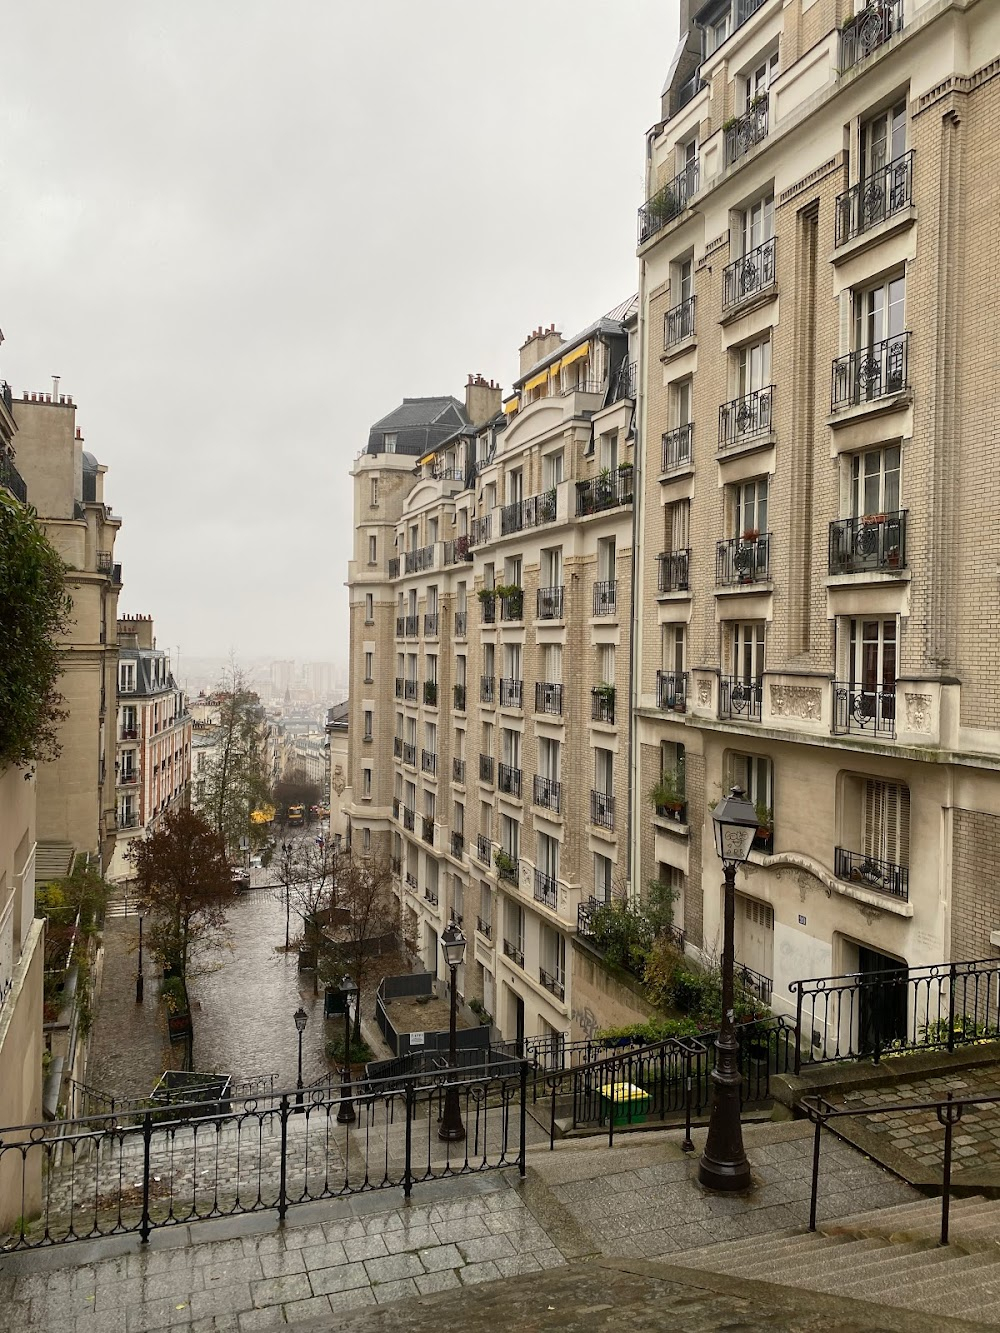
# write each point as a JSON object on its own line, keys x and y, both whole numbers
{"x": 128, "y": 1046}
{"x": 919, "y": 1134}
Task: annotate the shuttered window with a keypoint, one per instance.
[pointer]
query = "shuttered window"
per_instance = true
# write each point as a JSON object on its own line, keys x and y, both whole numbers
{"x": 887, "y": 822}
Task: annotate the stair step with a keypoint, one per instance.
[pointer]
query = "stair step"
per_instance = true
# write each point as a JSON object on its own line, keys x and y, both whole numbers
{"x": 885, "y": 1261}
{"x": 909, "y": 1287}
{"x": 737, "y": 1249}
{"x": 903, "y": 1212}
{"x": 773, "y": 1267}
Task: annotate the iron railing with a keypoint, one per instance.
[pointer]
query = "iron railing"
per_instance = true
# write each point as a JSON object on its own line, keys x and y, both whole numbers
{"x": 529, "y": 513}
{"x": 552, "y": 981}
{"x": 511, "y": 692}
{"x": 671, "y": 691}
{"x": 674, "y": 814}
{"x": 458, "y": 694}
{"x": 409, "y": 754}
{"x": 412, "y": 624}
{"x": 431, "y": 896}
{"x": 864, "y": 710}
{"x": 409, "y": 818}
{"x": 400, "y": 626}
{"x": 672, "y": 571}
{"x": 547, "y": 793}
{"x": 746, "y": 417}
{"x": 420, "y": 559}
{"x": 875, "y": 198}
{"x": 509, "y": 780}
{"x": 548, "y": 696}
{"x": 399, "y": 687}
{"x": 428, "y": 761}
{"x": 549, "y": 604}
{"x": 746, "y": 131}
{"x": 488, "y": 609}
{"x": 874, "y": 543}
{"x": 457, "y": 845}
{"x": 741, "y": 699}
{"x": 481, "y": 530}
{"x": 602, "y": 704}
{"x": 512, "y": 605}
{"x": 484, "y": 850}
{"x": 870, "y": 373}
{"x": 430, "y": 692}
{"x": 432, "y": 623}
{"x": 456, "y": 550}
{"x": 602, "y": 809}
{"x": 606, "y": 597}
{"x": 513, "y": 952}
{"x": 458, "y": 770}
{"x": 745, "y": 559}
{"x": 868, "y": 30}
{"x": 678, "y": 323}
{"x": 427, "y": 830}
{"x": 675, "y": 447}
{"x": 871, "y": 872}
{"x": 12, "y": 479}
{"x": 394, "y": 570}
{"x": 546, "y": 889}
{"x": 485, "y": 768}
{"x": 626, "y": 381}
{"x": 749, "y": 275}
{"x": 484, "y": 927}
{"x": 668, "y": 202}
{"x": 461, "y": 624}
{"x": 487, "y": 689}
{"x": 868, "y": 1014}
{"x": 609, "y": 489}
{"x": 508, "y": 866}
{"x": 136, "y": 1172}
{"x": 753, "y": 983}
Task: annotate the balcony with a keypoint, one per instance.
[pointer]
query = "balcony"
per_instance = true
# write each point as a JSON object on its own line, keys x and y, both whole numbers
{"x": 394, "y": 567}
{"x": 602, "y": 809}
{"x": 745, "y": 418}
{"x": 872, "y": 873}
{"x": 484, "y": 927}
{"x": 129, "y": 734}
{"x": 874, "y": 544}
{"x": 739, "y": 699}
{"x": 678, "y": 323}
{"x": 399, "y": 687}
{"x": 461, "y": 624}
{"x": 864, "y": 710}
{"x": 458, "y": 770}
{"x": 551, "y": 982}
{"x": 512, "y": 952}
{"x": 431, "y": 623}
{"x": 743, "y": 560}
{"x": 521, "y": 514}
{"x": 485, "y": 768}
{"x": 488, "y": 609}
{"x": 690, "y": 89}
{"x": 745, "y": 132}
{"x": 480, "y": 530}
{"x": 606, "y": 597}
{"x": 750, "y": 275}
{"x": 411, "y": 626}
{"x": 410, "y": 690}
{"x": 128, "y": 778}
{"x": 487, "y": 689}
{"x": 511, "y": 692}
{"x": 509, "y": 780}
{"x": 671, "y": 691}
{"x": 428, "y": 761}
{"x": 508, "y": 866}
{"x": 608, "y": 490}
{"x": 668, "y": 202}
{"x": 457, "y": 550}
{"x": 431, "y": 693}
{"x": 548, "y": 697}
{"x": 409, "y": 754}
{"x": 127, "y": 819}
{"x": 431, "y": 896}
{"x": 672, "y": 571}
{"x": 409, "y": 818}
{"x": 549, "y": 603}
{"x": 512, "y": 605}
{"x": 754, "y": 983}
{"x": 602, "y": 703}
{"x": 416, "y": 561}
{"x": 547, "y": 793}
{"x": 870, "y": 373}
{"x": 397, "y": 747}
{"x": 400, "y": 626}
{"x": 457, "y": 845}
{"x": 866, "y": 32}
{"x": 411, "y": 881}
{"x": 675, "y": 447}
{"x": 874, "y": 199}
{"x": 546, "y": 890}
{"x": 484, "y": 850}
{"x": 427, "y": 829}
{"x": 625, "y": 382}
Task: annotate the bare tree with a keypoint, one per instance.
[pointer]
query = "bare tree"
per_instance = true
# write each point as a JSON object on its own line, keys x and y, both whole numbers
{"x": 236, "y": 779}
{"x": 307, "y": 873}
{"x": 366, "y": 925}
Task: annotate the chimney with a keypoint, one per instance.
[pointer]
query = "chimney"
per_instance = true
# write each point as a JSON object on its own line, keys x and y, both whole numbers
{"x": 55, "y": 388}
{"x": 540, "y": 343}
{"x": 482, "y": 399}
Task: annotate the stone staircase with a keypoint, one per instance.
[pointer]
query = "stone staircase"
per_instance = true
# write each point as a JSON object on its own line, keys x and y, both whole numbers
{"x": 53, "y": 860}
{"x": 891, "y": 1257}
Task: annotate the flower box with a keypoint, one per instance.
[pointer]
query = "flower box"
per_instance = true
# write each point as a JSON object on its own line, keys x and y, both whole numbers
{"x": 625, "y": 1103}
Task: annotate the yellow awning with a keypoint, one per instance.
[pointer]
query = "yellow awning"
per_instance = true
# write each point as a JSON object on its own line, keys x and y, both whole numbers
{"x": 511, "y": 405}
{"x": 427, "y": 458}
{"x": 536, "y": 380}
{"x": 554, "y": 370}
{"x": 576, "y": 354}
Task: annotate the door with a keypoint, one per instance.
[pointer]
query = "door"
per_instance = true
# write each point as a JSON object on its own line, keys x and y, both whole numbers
{"x": 872, "y": 663}
{"x": 882, "y": 1007}
{"x": 883, "y": 139}
{"x": 518, "y": 1006}
{"x": 754, "y": 941}
{"x": 748, "y": 651}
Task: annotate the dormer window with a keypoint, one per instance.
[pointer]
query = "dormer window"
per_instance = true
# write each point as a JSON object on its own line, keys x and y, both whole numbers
{"x": 389, "y": 442}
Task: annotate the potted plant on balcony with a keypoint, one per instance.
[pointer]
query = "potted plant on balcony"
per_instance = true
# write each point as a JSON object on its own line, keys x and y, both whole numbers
{"x": 663, "y": 203}
{"x": 486, "y": 594}
{"x": 547, "y": 505}
{"x": 892, "y": 557}
{"x": 765, "y": 821}
{"x": 666, "y": 795}
{"x": 750, "y": 534}
{"x": 870, "y": 519}
{"x": 606, "y": 693}
{"x": 602, "y": 486}
{"x": 504, "y": 863}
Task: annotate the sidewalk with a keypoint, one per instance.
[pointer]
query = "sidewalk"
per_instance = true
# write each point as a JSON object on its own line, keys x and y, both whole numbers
{"x": 129, "y": 1049}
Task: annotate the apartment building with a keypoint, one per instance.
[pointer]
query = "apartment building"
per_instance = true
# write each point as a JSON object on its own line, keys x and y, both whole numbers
{"x": 153, "y": 739}
{"x": 511, "y": 566}
{"x": 65, "y": 483}
{"x": 817, "y": 601}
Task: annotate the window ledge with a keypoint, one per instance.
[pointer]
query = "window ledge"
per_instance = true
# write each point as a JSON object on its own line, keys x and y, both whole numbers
{"x": 679, "y": 348}
{"x": 894, "y": 402}
{"x": 676, "y": 595}
{"x": 671, "y": 826}
{"x": 741, "y": 589}
{"x": 749, "y": 304}
{"x": 677, "y": 473}
{"x": 865, "y": 577}
{"x": 741, "y": 447}
{"x": 900, "y": 221}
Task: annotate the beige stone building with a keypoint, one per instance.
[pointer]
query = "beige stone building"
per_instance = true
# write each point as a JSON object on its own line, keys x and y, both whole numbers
{"x": 76, "y": 792}
{"x": 817, "y": 588}
{"x": 490, "y": 653}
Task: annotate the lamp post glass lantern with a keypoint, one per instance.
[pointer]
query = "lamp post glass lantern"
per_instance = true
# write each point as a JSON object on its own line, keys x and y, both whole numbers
{"x": 348, "y": 992}
{"x": 451, "y": 1128}
{"x": 140, "y": 982}
{"x": 724, "y": 1164}
{"x": 300, "y": 1018}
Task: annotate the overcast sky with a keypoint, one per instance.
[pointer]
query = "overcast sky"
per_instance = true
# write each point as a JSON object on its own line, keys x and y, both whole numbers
{"x": 242, "y": 230}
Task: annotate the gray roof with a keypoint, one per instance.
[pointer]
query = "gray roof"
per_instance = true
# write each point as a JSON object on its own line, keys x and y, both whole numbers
{"x": 611, "y": 325}
{"x": 419, "y": 424}
{"x": 144, "y": 659}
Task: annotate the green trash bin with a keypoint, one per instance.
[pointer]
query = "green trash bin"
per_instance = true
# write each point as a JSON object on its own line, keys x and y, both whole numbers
{"x": 625, "y": 1103}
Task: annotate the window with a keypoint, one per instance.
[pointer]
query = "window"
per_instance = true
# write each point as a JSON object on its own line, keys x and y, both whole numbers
{"x": 875, "y": 482}
{"x": 883, "y": 139}
{"x": 879, "y": 313}
{"x": 680, "y": 403}
{"x": 604, "y": 771}
{"x": 753, "y": 367}
{"x": 757, "y": 223}
{"x": 750, "y": 507}
{"x": 510, "y": 836}
{"x": 871, "y": 655}
{"x": 373, "y": 550}
{"x": 606, "y": 663}
{"x": 717, "y": 33}
{"x": 552, "y": 568}
{"x": 759, "y": 80}
{"x": 886, "y": 833}
{"x": 366, "y": 783}
{"x": 552, "y": 662}
{"x": 515, "y": 486}
{"x": 603, "y": 870}
{"x": 548, "y": 759}
{"x": 672, "y": 648}
{"x": 511, "y": 747}
{"x": 366, "y": 839}
{"x": 677, "y": 526}
{"x": 755, "y": 774}
{"x": 747, "y": 646}
{"x": 552, "y": 960}
{"x": 369, "y": 667}
{"x": 548, "y": 856}
{"x": 513, "y": 570}
{"x": 432, "y": 668}
{"x": 126, "y": 677}
{"x": 682, "y": 285}
{"x": 485, "y": 907}
{"x": 512, "y": 661}
{"x": 514, "y": 925}
{"x": 609, "y": 450}
{"x": 389, "y": 442}
{"x": 369, "y": 718}
{"x": 606, "y": 561}
{"x": 374, "y": 493}
{"x": 552, "y": 470}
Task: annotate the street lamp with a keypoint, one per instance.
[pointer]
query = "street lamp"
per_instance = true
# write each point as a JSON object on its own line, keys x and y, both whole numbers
{"x": 345, "y": 1112}
{"x": 301, "y": 1018}
{"x": 451, "y": 1128}
{"x": 286, "y": 848}
{"x": 724, "y": 1164}
{"x": 140, "y": 911}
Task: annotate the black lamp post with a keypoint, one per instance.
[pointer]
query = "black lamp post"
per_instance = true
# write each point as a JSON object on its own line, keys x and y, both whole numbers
{"x": 345, "y": 1112}
{"x": 286, "y": 848}
{"x": 451, "y": 1128}
{"x": 301, "y": 1018}
{"x": 140, "y": 984}
{"x": 724, "y": 1164}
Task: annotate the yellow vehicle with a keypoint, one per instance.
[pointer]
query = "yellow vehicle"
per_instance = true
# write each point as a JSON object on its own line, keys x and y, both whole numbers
{"x": 296, "y": 816}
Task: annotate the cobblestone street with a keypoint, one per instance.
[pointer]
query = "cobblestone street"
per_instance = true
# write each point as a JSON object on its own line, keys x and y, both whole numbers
{"x": 129, "y": 1048}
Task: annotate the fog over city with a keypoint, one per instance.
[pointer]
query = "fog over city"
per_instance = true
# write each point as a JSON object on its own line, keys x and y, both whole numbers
{"x": 240, "y": 232}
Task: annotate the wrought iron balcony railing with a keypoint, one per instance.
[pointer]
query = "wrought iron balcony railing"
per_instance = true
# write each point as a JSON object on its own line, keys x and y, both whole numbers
{"x": 512, "y": 605}
{"x": 512, "y": 951}
{"x": 458, "y": 770}
{"x": 484, "y": 850}
{"x": 746, "y": 417}
{"x": 874, "y": 199}
{"x": 872, "y": 873}
{"x": 551, "y": 982}
{"x": 431, "y": 623}
{"x": 740, "y": 699}
{"x": 509, "y": 780}
{"x": 871, "y": 372}
{"x": 394, "y": 568}
{"x": 487, "y": 689}
{"x": 866, "y": 32}
{"x": 511, "y": 692}
{"x": 430, "y": 692}
{"x": 428, "y": 828}
{"x": 550, "y": 603}
{"x": 745, "y": 132}
{"x": 458, "y": 693}
{"x": 602, "y": 703}
{"x": 412, "y": 626}
{"x": 548, "y": 696}
{"x": 457, "y": 845}
{"x": 529, "y": 513}
{"x": 409, "y": 754}
{"x": 749, "y": 275}
{"x": 671, "y": 691}
{"x": 672, "y": 571}
{"x": 488, "y": 610}
{"x": 129, "y": 734}
{"x": 508, "y": 866}
{"x": 753, "y": 983}
{"x": 864, "y": 710}
{"x": 485, "y": 927}
{"x": 431, "y": 895}
{"x": 397, "y": 747}
{"x": 410, "y": 690}
{"x": 606, "y": 597}
{"x": 400, "y": 626}
{"x": 485, "y": 768}
{"x": 456, "y": 551}
{"x": 461, "y": 624}
{"x": 546, "y": 889}
{"x": 668, "y": 202}
{"x": 675, "y": 447}
{"x": 602, "y": 809}
{"x": 745, "y": 559}
{"x": 104, "y": 562}
{"x": 873, "y": 544}
{"x": 625, "y": 382}
{"x": 481, "y": 530}
{"x": 547, "y": 793}
{"x": 678, "y": 323}
{"x": 428, "y": 761}
{"x": 129, "y": 776}
{"x": 409, "y": 818}
{"x": 411, "y": 881}
{"x": 611, "y": 488}
{"x": 676, "y": 813}
{"x": 399, "y": 687}
{"x": 420, "y": 559}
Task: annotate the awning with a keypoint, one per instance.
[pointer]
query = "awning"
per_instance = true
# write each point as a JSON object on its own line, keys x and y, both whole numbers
{"x": 511, "y": 405}
{"x": 554, "y": 369}
{"x": 427, "y": 458}
{"x": 536, "y": 380}
{"x": 577, "y": 354}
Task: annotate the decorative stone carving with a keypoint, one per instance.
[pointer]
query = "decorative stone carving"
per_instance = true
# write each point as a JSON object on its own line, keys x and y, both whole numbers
{"x": 338, "y": 783}
{"x": 918, "y": 712}
{"x": 799, "y": 701}
{"x": 704, "y": 693}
